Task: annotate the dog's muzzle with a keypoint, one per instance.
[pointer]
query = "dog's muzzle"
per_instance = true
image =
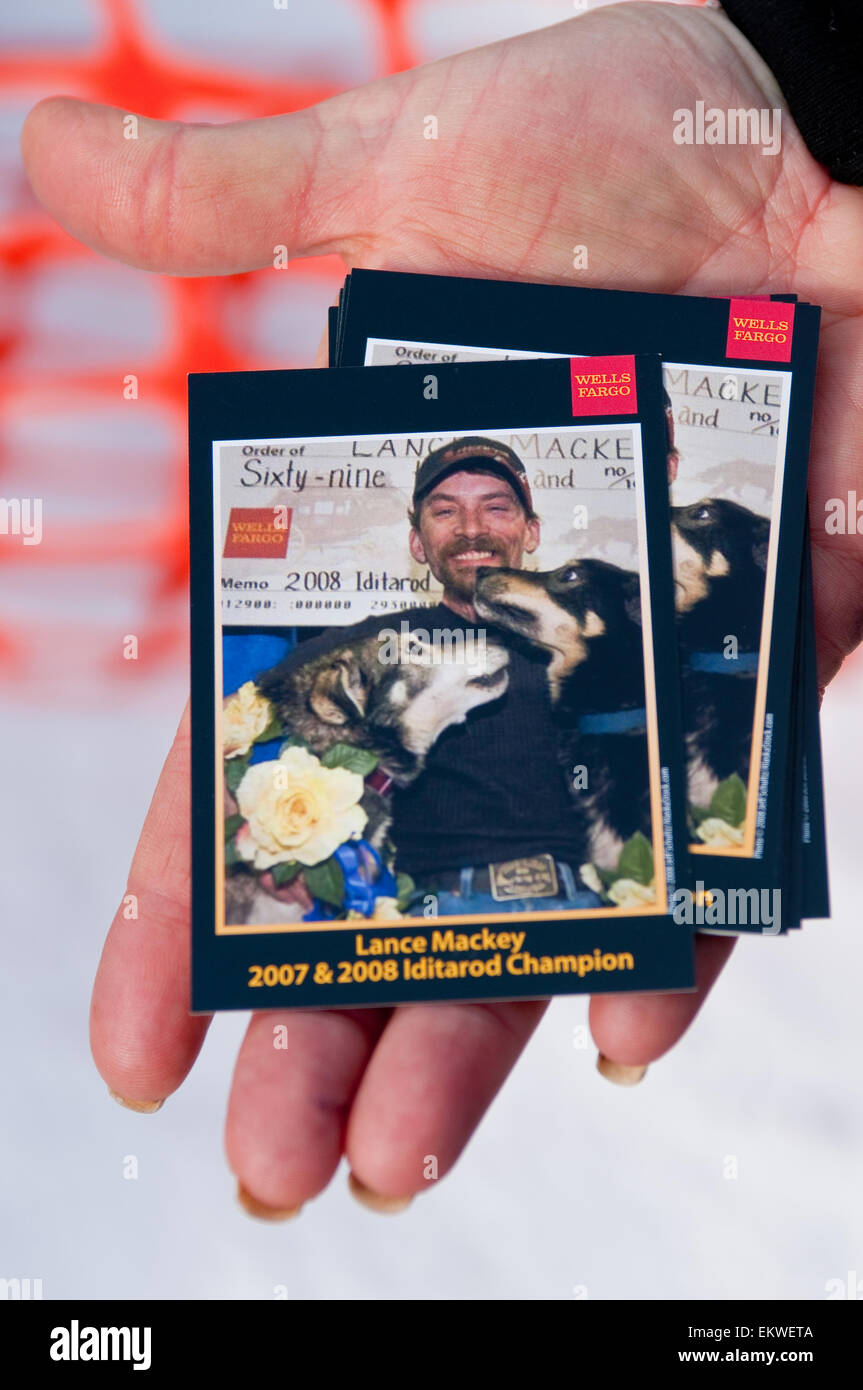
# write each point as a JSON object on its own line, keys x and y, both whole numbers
{"x": 496, "y": 598}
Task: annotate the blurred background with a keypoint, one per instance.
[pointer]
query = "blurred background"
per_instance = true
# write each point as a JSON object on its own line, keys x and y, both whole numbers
{"x": 573, "y": 1188}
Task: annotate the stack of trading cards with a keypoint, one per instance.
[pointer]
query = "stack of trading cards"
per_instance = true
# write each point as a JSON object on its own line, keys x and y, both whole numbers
{"x": 739, "y": 380}
{"x": 503, "y": 671}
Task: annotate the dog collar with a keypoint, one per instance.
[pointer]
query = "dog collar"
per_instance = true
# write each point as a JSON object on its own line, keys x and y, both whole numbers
{"x": 621, "y": 721}
{"x": 717, "y": 664}
{"x": 379, "y": 780}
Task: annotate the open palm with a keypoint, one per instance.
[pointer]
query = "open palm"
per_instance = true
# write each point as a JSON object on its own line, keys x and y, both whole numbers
{"x": 553, "y": 139}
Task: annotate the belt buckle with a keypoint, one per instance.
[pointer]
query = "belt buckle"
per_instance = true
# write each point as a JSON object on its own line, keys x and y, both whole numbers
{"x": 534, "y": 876}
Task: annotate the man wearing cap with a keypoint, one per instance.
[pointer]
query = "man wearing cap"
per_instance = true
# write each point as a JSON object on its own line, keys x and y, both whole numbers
{"x": 489, "y": 826}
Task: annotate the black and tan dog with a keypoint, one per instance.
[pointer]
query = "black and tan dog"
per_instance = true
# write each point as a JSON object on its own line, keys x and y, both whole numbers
{"x": 587, "y": 616}
{"x": 395, "y": 705}
{"x": 720, "y": 563}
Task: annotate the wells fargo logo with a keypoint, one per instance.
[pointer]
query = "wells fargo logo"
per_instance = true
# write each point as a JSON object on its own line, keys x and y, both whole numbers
{"x": 603, "y": 385}
{"x": 760, "y": 331}
{"x": 259, "y": 533}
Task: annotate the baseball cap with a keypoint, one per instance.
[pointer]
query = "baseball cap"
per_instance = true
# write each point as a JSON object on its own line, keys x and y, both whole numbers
{"x": 476, "y": 450}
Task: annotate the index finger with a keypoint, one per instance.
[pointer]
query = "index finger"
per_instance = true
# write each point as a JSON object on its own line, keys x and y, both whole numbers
{"x": 143, "y": 1038}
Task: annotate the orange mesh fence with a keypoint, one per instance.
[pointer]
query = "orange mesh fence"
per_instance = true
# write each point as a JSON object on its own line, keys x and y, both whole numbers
{"x": 79, "y": 423}
{"x": 131, "y": 70}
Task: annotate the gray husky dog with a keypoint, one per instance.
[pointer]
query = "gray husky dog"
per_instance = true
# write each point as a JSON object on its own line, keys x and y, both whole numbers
{"x": 394, "y": 704}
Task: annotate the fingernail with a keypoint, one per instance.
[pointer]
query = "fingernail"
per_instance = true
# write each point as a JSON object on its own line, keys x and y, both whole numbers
{"x": 373, "y": 1200}
{"x": 617, "y": 1072}
{"x": 143, "y": 1107}
{"x": 262, "y": 1210}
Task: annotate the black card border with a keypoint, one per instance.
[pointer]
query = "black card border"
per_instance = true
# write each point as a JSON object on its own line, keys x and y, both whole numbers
{"x": 241, "y": 405}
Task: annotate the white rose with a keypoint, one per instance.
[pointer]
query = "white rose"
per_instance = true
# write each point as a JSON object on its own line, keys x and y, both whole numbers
{"x": 625, "y": 892}
{"x": 590, "y": 877}
{"x": 387, "y": 908}
{"x": 297, "y": 810}
{"x": 714, "y": 831}
{"x": 245, "y": 715}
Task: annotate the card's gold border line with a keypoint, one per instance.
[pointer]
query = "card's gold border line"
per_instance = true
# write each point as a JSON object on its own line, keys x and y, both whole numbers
{"x": 659, "y": 909}
{"x": 747, "y": 849}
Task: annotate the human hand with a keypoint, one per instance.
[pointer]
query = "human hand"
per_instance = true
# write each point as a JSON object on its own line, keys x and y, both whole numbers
{"x": 554, "y": 138}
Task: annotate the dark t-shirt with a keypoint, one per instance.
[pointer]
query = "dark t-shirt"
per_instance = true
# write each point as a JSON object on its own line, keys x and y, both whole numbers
{"x": 492, "y": 788}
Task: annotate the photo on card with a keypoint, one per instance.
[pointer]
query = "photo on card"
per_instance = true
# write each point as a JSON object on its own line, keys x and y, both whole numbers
{"x": 728, "y": 432}
{"x": 455, "y": 670}
{"x": 730, "y": 435}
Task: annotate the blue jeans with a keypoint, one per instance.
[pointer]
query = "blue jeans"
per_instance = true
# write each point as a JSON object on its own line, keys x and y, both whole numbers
{"x": 452, "y": 902}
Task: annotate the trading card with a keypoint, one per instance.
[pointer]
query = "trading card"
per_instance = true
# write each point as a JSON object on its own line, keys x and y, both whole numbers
{"x": 403, "y": 631}
{"x": 815, "y": 892}
{"x": 805, "y": 745}
{"x": 806, "y": 761}
{"x": 739, "y": 487}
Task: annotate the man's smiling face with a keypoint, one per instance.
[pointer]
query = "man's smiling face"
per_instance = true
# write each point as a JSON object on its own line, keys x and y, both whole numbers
{"x": 469, "y": 519}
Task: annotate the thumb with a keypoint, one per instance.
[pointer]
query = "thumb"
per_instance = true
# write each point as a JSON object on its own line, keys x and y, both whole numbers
{"x": 194, "y": 199}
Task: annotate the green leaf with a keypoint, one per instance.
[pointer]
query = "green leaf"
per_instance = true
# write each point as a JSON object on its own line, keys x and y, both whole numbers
{"x": 235, "y": 771}
{"x": 607, "y": 876}
{"x": 285, "y": 873}
{"x": 697, "y": 814}
{"x": 327, "y": 882}
{"x": 295, "y": 741}
{"x": 273, "y": 730}
{"x": 232, "y": 825}
{"x": 636, "y": 859}
{"x": 354, "y": 759}
{"x": 405, "y": 886}
{"x": 729, "y": 801}
{"x": 232, "y": 854}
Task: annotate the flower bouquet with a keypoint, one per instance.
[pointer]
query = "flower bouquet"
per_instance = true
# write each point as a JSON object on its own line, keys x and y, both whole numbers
{"x": 721, "y": 824}
{"x": 630, "y": 883}
{"x": 302, "y": 822}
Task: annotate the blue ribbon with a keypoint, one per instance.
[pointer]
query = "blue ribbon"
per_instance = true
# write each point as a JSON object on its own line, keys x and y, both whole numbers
{"x": 717, "y": 664}
{"x": 620, "y": 721}
{"x": 366, "y": 879}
